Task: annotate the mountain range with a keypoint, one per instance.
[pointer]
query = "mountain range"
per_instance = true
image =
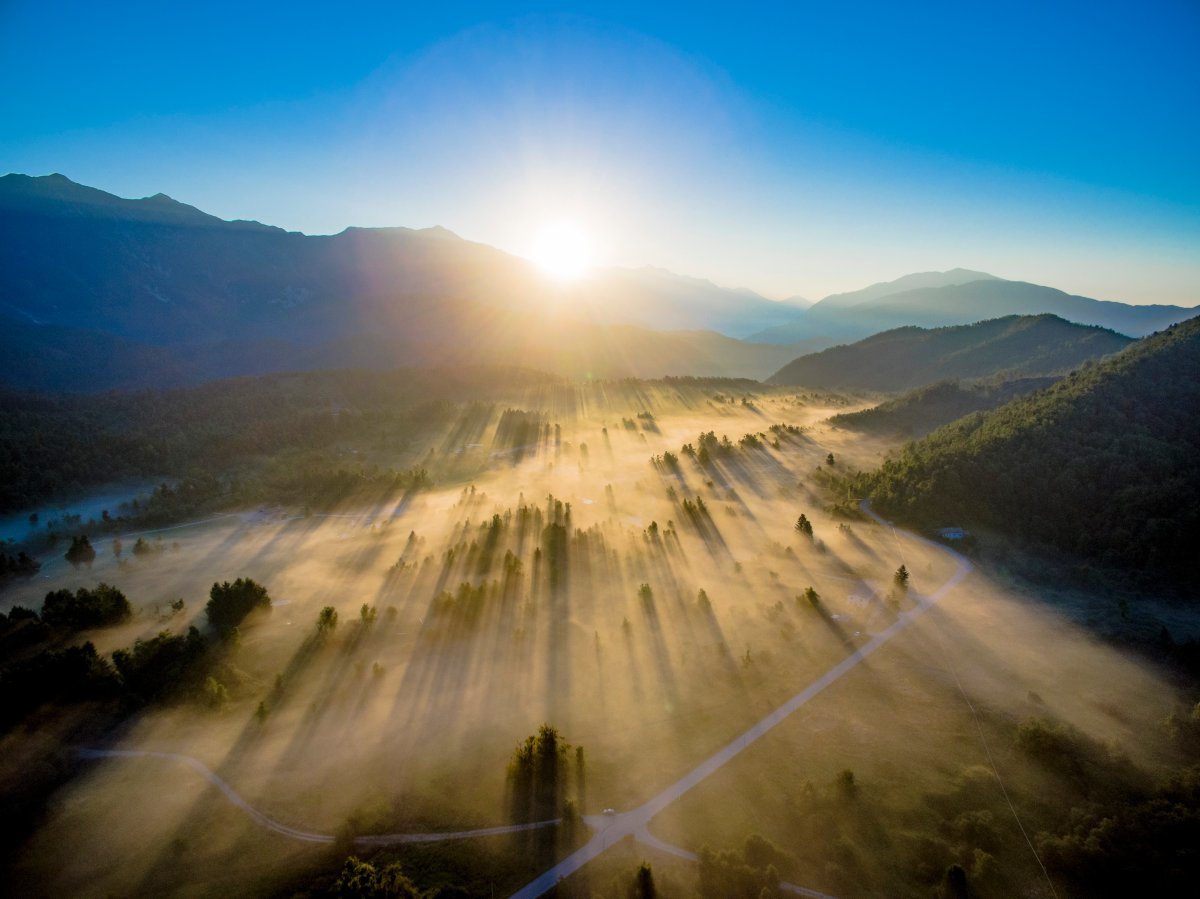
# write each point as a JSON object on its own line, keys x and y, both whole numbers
{"x": 102, "y": 292}
{"x": 159, "y": 270}
{"x": 959, "y": 297}
{"x": 107, "y": 292}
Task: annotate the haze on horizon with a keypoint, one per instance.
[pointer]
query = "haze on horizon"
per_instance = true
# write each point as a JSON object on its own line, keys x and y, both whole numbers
{"x": 807, "y": 152}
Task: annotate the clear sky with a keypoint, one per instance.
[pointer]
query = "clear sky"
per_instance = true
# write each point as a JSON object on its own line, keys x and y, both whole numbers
{"x": 801, "y": 148}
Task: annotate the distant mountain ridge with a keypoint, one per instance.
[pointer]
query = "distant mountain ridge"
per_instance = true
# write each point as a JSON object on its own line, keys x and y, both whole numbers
{"x": 910, "y": 357}
{"x": 160, "y": 271}
{"x": 680, "y": 302}
{"x": 915, "y": 281}
{"x": 154, "y": 290}
{"x": 960, "y": 297}
{"x": 963, "y": 303}
{"x": 108, "y": 292}
{"x": 36, "y": 195}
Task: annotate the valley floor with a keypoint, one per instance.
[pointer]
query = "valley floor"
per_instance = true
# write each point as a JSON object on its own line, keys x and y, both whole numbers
{"x": 575, "y": 565}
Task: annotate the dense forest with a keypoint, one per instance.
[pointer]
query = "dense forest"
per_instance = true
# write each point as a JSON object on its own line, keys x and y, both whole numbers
{"x": 55, "y": 445}
{"x": 1101, "y": 466}
{"x": 926, "y": 409}
{"x": 910, "y": 357}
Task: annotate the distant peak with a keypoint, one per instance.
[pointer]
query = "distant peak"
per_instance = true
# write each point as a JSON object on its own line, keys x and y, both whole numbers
{"x": 52, "y": 180}
{"x": 436, "y": 232}
{"x": 969, "y": 273}
{"x": 914, "y": 281}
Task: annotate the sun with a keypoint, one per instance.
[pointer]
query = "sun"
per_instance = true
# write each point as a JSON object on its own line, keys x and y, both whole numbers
{"x": 563, "y": 251}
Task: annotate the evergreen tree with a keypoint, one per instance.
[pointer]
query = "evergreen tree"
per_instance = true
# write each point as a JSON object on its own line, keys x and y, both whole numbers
{"x": 229, "y": 603}
{"x": 804, "y": 526}
{"x": 643, "y": 883}
{"x": 80, "y": 552}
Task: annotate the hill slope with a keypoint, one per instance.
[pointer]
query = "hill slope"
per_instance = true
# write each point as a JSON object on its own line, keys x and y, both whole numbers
{"x": 926, "y": 409}
{"x": 913, "y": 357}
{"x": 1101, "y": 466}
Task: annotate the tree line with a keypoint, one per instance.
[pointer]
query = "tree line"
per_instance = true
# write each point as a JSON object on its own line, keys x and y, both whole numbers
{"x": 38, "y": 664}
{"x": 56, "y": 444}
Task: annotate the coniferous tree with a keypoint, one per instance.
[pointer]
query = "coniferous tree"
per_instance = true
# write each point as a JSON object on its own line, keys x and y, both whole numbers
{"x": 643, "y": 883}
{"x": 327, "y": 619}
{"x": 229, "y": 603}
{"x": 80, "y": 552}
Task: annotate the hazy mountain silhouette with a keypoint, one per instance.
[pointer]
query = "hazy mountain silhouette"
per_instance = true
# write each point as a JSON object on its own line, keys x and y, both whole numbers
{"x": 162, "y": 272}
{"x": 963, "y": 303}
{"x": 159, "y": 270}
{"x": 660, "y": 299}
{"x": 916, "y": 281}
{"x": 103, "y": 285}
{"x": 104, "y": 292}
{"x": 959, "y": 297}
{"x": 910, "y": 357}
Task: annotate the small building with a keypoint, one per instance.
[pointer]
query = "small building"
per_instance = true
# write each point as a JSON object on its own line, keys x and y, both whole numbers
{"x": 951, "y": 533}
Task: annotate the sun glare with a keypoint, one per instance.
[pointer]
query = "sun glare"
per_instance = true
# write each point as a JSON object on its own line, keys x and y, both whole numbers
{"x": 563, "y": 252}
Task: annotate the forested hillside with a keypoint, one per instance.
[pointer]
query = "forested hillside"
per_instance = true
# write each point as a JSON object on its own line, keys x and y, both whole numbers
{"x": 926, "y": 409}
{"x": 910, "y": 357}
{"x": 1101, "y": 466}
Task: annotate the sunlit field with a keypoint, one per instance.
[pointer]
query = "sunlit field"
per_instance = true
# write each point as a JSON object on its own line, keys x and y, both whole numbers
{"x": 575, "y": 565}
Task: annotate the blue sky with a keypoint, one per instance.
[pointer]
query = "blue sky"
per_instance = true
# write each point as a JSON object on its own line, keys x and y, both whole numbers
{"x": 803, "y": 149}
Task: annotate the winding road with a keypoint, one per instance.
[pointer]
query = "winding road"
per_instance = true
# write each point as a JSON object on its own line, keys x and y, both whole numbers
{"x": 608, "y": 829}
